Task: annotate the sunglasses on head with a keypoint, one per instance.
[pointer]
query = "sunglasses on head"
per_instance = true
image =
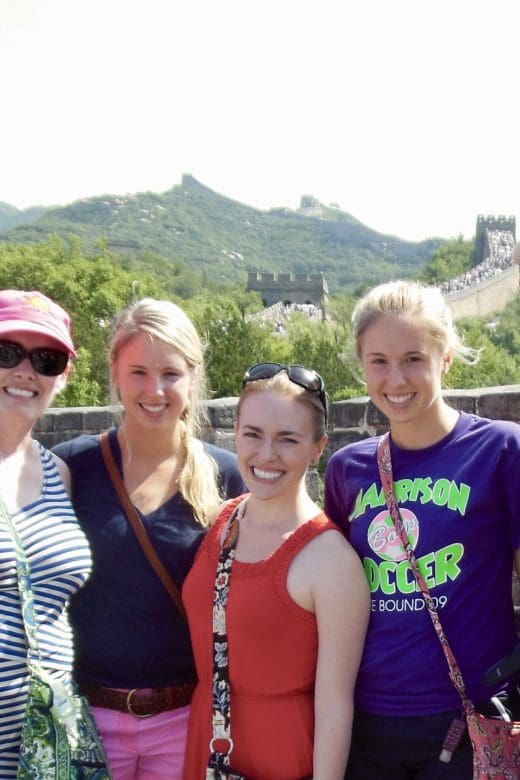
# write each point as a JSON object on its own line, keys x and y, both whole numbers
{"x": 307, "y": 378}
{"x": 46, "y": 361}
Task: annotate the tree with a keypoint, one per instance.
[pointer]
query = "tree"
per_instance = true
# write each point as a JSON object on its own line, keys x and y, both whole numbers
{"x": 449, "y": 261}
{"x": 506, "y": 334}
{"x": 329, "y": 349}
{"x": 234, "y": 341}
{"x": 496, "y": 366}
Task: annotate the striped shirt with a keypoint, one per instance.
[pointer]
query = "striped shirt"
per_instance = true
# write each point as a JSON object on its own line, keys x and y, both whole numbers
{"x": 60, "y": 563}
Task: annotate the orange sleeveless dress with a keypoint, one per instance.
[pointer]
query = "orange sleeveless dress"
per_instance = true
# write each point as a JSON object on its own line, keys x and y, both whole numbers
{"x": 273, "y": 647}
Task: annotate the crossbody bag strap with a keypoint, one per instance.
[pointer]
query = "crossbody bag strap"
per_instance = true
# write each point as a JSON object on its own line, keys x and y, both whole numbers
{"x": 458, "y": 725}
{"x": 23, "y": 573}
{"x": 384, "y": 462}
{"x": 221, "y": 718}
{"x": 137, "y": 524}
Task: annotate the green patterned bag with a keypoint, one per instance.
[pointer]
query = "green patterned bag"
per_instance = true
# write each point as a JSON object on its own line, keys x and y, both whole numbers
{"x": 60, "y": 740}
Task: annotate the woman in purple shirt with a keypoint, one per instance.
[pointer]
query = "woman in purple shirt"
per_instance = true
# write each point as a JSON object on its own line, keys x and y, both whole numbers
{"x": 456, "y": 481}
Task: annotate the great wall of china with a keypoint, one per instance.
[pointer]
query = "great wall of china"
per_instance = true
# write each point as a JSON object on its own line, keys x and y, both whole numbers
{"x": 485, "y": 290}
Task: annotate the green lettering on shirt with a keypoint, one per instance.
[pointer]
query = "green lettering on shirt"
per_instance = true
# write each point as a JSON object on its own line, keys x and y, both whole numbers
{"x": 442, "y": 492}
{"x": 437, "y": 568}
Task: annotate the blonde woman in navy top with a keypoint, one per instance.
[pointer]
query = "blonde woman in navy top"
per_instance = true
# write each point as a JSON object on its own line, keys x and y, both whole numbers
{"x": 35, "y": 351}
{"x": 134, "y": 658}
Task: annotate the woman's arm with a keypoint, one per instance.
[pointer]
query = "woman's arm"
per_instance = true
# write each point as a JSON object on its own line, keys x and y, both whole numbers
{"x": 341, "y": 603}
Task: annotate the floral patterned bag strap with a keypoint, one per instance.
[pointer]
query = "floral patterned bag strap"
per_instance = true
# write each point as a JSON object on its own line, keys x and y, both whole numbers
{"x": 221, "y": 688}
{"x": 384, "y": 462}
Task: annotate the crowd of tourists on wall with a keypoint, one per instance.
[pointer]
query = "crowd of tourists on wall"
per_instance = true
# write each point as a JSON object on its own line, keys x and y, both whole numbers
{"x": 501, "y": 245}
{"x": 212, "y": 617}
{"x": 278, "y": 313}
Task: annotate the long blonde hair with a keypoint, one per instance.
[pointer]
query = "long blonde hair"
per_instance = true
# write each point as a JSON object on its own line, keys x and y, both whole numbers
{"x": 167, "y": 322}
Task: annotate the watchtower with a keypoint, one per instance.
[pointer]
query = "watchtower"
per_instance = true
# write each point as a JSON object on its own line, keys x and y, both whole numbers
{"x": 289, "y": 288}
{"x": 487, "y": 224}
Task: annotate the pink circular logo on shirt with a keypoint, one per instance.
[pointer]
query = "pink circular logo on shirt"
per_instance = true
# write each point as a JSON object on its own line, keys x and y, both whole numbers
{"x": 383, "y": 537}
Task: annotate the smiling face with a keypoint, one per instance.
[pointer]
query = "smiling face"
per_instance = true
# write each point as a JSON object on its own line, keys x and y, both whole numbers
{"x": 404, "y": 366}
{"x": 275, "y": 443}
{"x": 23, "y": 392}
{"x": 154, "y": 383}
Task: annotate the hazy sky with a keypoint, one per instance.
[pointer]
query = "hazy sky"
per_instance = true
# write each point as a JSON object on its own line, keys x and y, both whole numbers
{"x": 401, "y": 111}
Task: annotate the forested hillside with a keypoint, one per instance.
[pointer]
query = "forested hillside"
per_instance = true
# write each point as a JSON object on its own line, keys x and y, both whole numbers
{"x": 221, "y": 239}
{"x": 94, "y": 285}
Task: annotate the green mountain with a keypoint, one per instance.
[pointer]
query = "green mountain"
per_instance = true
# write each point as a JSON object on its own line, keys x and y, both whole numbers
{"x": 11, "y": 216}
{"x": 223, "y": 239}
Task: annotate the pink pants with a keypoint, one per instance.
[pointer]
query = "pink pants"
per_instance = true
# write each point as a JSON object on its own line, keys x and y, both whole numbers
{"x": 144, "y": 748}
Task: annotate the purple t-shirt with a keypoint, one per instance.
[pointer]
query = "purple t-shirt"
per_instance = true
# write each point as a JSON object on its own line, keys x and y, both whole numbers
{"x": 460, "y": 500}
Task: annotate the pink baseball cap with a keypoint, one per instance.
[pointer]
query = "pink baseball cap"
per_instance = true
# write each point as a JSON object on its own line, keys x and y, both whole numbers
{"x": 33, "y": 312}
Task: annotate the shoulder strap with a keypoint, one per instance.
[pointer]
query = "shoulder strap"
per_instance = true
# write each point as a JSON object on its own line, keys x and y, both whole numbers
{"x": 137, "y": 524}
{"x": 384, "y": 462}
{"x": 221, "y": 716}
{"x": 23, "y": 572}
{"x": 229, "y": 507}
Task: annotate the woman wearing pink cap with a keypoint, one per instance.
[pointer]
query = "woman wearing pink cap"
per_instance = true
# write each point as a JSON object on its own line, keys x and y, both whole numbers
{"x": 35, "y": 350}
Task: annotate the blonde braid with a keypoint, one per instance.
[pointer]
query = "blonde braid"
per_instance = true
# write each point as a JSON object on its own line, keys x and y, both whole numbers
{"x": 198, "y": 480}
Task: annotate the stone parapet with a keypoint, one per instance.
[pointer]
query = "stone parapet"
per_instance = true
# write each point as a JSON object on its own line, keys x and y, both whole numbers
{"x": 487, "y": 297}
{"x": 349, "y": 420}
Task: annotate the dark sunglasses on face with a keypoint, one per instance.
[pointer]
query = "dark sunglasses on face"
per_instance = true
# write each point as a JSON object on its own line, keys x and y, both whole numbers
{"x": 307, "y": 378}
{"x": 46, "y": 361}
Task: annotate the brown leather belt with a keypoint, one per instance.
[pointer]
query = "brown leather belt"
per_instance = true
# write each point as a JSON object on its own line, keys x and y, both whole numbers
{"x": 142, "y": 704}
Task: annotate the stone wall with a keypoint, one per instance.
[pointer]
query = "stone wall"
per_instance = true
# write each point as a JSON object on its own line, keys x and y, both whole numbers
{"x": 349, "y": 420}
{"x": 487, "y": 297}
